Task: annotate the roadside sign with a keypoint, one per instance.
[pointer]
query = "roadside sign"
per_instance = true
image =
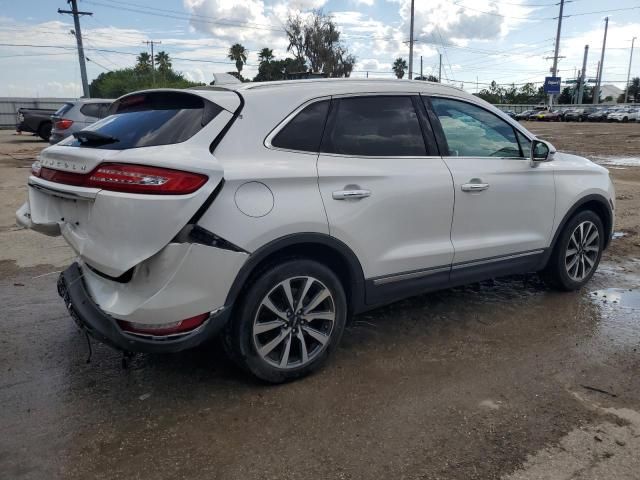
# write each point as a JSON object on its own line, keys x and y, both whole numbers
{"x": 552, "y": 85}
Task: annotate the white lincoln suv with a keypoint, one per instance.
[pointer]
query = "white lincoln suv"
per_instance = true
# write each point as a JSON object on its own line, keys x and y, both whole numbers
{"x": 272, "y": 212}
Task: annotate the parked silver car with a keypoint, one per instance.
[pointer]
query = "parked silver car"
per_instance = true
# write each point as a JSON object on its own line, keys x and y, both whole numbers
{"x": 270, "y": 212}
{"x": 76, "y": 115}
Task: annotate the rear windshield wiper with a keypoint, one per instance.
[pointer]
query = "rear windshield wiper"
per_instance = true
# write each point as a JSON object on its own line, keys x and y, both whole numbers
{"x": 90, "y": 137}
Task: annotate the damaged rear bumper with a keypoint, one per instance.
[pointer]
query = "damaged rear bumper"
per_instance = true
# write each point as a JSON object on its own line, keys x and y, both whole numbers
{"x": 104, "y": 328}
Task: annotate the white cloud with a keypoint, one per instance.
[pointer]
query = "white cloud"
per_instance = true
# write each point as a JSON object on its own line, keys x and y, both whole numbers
{"x": 304, "y": 5}
{"x": 368, "y": 3}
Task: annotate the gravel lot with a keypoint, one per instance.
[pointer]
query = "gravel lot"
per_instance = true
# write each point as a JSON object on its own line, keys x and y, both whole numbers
{"x": 503, "y": 379}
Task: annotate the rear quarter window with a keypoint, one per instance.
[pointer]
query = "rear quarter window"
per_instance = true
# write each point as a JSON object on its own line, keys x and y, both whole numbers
{"x": 150, "y": 119}
{"x": 304, "y": 131}
{"x": 91, "y": 110}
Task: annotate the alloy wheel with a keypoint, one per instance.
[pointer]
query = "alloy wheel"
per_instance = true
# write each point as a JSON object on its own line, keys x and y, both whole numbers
{"x": 582, "y": 251}
{"x": 294, "y": 322}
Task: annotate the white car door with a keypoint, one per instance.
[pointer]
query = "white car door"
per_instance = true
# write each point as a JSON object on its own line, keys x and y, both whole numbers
{"x": 387, "y": 193}
{"x": 504, "y": 206}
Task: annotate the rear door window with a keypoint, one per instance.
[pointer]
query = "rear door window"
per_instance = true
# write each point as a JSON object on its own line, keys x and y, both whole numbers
{"x": 149, "y": 119}
{"x": 304, "y": 131}
{"x": 375, "y": 126}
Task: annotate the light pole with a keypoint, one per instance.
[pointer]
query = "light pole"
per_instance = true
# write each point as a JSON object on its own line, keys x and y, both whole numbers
{"x": 626, "y": 92}
{"x": 554, "y": 69}
{"x": 411, "y": 43}
{"x": 596, "y": 92}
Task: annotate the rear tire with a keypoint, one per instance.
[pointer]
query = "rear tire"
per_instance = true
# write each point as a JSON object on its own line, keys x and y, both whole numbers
{"x": 289, "y": 322}
{"x": 577, "y": 252}
{"x": 44, "y": 131}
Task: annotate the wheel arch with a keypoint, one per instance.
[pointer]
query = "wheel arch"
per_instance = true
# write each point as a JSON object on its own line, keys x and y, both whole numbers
{"x": 316, "y": 246}
{"x": 599, "y": 204}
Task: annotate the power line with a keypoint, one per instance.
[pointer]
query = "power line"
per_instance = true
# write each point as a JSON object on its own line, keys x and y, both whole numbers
{"x": 100, "y": 65}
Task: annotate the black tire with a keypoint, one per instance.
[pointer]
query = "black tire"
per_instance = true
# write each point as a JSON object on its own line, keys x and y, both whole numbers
{"x": 556, "y": 274}
{"x": 242, "y": 344}
{"x": 44, "y": 131}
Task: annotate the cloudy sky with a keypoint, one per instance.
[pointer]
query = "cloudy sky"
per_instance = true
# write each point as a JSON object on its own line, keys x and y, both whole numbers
{"x": 480, "y": 40}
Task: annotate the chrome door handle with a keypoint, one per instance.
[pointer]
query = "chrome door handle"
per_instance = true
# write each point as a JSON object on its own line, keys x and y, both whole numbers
{"x": 474, "y": 187}
{"x": 348, "y": 194}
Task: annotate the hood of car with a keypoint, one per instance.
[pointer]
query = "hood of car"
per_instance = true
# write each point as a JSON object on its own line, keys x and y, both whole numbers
{"x": 568, "y": 161}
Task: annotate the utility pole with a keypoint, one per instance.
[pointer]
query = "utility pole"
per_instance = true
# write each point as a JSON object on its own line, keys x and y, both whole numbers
{"x": 76, "y": 21}
{"x": 153, "y": 60}
{"x": 440, "y": 70}
{"x": 554, "y": 69}
{"x": 626, "y": 92}
{"x": 411, "y": 43}
{"x": 596, "y": 93}
{"x": 583, "y": 76}
{"x": 421, "y": 77}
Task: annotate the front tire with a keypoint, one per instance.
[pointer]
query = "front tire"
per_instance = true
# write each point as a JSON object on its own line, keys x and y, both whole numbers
{"x": 577, "y": 252}
{"x": 289, "y": 322}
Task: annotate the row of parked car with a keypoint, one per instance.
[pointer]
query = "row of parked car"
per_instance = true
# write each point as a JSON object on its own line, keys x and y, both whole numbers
{"x": 55, "y": 125}
{"x": 581, "y": 114}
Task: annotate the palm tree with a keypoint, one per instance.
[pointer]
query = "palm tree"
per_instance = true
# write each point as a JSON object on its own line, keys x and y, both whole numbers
{"x": 239, "y": 54}
{"x": 144, "y": 62}
{"x": 265, "y": 55}
{"x": 163, "y": 61}
{"x": 399, "y": 67}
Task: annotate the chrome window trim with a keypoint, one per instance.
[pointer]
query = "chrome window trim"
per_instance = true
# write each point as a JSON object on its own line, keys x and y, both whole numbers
{"x": 288, "y": 118}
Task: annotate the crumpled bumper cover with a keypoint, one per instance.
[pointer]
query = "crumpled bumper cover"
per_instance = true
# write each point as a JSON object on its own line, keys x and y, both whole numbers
{"x": 90, "y": 318}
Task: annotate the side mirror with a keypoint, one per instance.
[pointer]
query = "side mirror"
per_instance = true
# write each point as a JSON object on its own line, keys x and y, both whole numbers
{"x": 541, "y": 151}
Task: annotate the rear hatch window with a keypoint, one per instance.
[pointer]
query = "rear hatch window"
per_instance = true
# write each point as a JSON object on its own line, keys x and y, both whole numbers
{"x": 63, "y": 110}
{"x": 148, "y": 119}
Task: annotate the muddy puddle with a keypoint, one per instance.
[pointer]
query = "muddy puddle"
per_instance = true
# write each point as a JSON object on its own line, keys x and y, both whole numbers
{"x": 618, "y": 161}
{"x": 625, "y": 298}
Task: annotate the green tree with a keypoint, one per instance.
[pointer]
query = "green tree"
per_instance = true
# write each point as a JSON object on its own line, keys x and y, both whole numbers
{"x": 399, "y": 67}
{"x": 428, "y": 78}
{"x": 315, "y": 40}
{"x": 143, "y": 64}
{"x": 163, "y": 62}
{"x": 119, "y": 82}
{"x": 565, "y": 97}
{"x": 238, "y": 54}
{"x": 265, "y": 55}
{"x": 634, "y": 91}
{"x": 278, "y": 69}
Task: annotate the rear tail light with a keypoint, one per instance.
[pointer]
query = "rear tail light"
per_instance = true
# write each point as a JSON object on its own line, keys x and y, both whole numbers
{"x": 63, "y": 124}
{"x": 120, "y": 177}
{"x": 183, "y": 326}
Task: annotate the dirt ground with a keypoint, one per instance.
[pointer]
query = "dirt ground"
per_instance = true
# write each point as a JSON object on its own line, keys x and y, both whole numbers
{"x": 500, "y": 380}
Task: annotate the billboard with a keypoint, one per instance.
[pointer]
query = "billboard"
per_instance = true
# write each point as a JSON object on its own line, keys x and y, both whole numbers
{"x": 552, "y": 85}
